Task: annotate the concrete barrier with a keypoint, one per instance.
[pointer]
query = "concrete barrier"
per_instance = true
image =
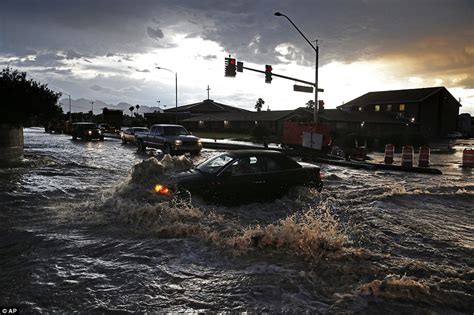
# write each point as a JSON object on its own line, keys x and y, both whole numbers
{"x": 11, "y": 144}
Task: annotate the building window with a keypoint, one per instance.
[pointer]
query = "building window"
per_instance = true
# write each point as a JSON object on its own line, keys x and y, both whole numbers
{"x": 377, "y": 108}
{"x": 402, "y": 107}
{"x": 202, "y": 124}
{"x": 360, "y": 108}
{"x": 226, "y": 124}
{"x": 256, "y": 122}
{"x": 389, "y": 107}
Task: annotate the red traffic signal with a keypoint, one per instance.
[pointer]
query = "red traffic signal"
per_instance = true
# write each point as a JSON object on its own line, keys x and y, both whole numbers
{"x": 268, "y": 74}
{"x": 230, "y": 67}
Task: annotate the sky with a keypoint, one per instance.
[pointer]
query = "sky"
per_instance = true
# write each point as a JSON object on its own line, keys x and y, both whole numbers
{"x": 109, "y": 50}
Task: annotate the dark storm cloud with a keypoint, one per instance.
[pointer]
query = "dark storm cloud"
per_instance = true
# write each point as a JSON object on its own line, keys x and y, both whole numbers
{"x": 154, "y": 33}
{"x": 347, "y": 30}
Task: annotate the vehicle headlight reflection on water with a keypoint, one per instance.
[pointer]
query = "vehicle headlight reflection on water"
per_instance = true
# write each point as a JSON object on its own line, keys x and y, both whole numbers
{"x": 162, "y": 190}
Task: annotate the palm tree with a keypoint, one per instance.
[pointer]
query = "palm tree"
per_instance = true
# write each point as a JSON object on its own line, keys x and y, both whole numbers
{"x": 259, "y": 104}
{"x": 310, "y": 104}
{"x": 131, "y": 108}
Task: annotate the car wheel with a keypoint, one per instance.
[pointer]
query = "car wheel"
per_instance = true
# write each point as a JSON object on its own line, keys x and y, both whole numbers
{"x": 74, "y": 138}
{"x": 141, "y": 146}
{"x": 167, "y": 149}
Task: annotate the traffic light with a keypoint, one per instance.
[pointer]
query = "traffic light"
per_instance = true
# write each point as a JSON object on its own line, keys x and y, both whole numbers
{"x": 321, "y": 105}
{"x": 268, "y": 74}
{"x": 230, "y": 67}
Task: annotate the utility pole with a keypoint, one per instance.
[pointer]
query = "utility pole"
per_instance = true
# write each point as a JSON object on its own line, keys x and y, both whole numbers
{"x": 316, "y": 49}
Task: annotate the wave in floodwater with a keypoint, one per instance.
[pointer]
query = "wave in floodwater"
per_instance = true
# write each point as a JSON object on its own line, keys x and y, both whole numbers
{"x": 384, "y": 245}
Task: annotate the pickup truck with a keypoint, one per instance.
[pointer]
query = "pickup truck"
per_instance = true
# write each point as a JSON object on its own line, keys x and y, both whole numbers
{"x": 171, "y": 139}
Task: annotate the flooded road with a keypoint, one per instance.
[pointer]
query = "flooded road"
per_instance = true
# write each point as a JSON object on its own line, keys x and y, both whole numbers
{"x": 82, "y": 230}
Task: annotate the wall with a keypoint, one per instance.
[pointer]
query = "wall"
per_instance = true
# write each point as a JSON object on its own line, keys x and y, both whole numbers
{"x": 11, "y": 144}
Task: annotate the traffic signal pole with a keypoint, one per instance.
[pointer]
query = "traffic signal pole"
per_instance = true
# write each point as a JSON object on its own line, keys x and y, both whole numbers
{"x": 284, "y": 77}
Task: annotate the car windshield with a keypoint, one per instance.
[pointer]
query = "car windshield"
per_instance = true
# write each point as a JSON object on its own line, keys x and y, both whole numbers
{"x": 215, "y": 164}
{"x": 174, "y": 131}
{"x": 140, "y": 129}
{"x": 86, "y": 126}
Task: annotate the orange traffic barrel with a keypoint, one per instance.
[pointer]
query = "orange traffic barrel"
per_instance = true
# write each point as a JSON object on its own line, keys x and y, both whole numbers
{"x": 389, "y": 150}
{"x": 468, "y": 158}
{"x": 424, "y": 157}
{"x": 407, "y": 156}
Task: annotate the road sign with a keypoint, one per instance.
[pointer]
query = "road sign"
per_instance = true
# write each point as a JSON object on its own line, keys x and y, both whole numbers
{"x": 302, "y": 88}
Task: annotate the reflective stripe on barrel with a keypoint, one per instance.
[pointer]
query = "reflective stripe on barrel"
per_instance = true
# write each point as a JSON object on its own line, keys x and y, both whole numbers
{"x": 407, "y": 156}
{"x": 468, "y": 158}
{"x": 424, "y": 158}
{"x": 389, "y": 149}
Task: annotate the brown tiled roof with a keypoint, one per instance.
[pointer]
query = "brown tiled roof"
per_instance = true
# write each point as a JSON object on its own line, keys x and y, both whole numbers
{"x": 393, "y": 97}
{"x": 206, "y": 106}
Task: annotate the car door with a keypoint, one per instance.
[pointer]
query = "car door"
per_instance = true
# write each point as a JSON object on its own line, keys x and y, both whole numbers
{"x": 157, "y": 136}
{"x": 238, "y": 182}
{"x": 278, "y": 174}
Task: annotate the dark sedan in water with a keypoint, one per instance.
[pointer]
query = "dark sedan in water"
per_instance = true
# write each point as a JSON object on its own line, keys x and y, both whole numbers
{"x": 245, "y": 175}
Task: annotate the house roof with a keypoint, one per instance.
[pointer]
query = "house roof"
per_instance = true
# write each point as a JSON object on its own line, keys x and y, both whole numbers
{"x": 206, "y": 106}
{"x": 393, "y": 97}
{"x": 242, "y": 116}
{"x": 273, "y": 115}
{"x": 338, "y": 115}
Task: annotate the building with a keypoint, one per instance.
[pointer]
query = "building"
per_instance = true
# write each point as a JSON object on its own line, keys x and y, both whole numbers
{"x": 182, "y": 113}
{"x": 434, "y": 109}
{"x": 245, "y": 121}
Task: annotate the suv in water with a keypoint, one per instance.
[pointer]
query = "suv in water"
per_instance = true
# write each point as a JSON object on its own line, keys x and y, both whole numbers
{"x": 171, "y": 139}
{"x": 86, "y": 131}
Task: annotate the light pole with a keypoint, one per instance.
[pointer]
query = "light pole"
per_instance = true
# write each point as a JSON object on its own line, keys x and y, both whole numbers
{"x": 316, "y": 49}
{"x": 176, "y": 87}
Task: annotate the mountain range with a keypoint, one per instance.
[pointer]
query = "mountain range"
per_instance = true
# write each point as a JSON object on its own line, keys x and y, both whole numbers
{"x": 85, "y": 106}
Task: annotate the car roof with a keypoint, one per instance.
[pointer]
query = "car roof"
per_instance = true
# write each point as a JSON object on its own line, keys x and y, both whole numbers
{"x": 167, "y": 125}
{"x": 244, "y": 153}
{"x": 83, "y": 123}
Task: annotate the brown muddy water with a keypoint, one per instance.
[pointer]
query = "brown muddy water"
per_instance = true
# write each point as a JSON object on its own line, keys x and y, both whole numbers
{"x": 81, "y": 230}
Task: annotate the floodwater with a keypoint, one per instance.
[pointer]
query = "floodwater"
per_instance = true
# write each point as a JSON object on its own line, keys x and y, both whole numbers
{"x": 81, "y": 230}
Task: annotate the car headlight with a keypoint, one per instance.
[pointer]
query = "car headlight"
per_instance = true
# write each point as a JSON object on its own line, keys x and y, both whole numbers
{"x": 89, "y": 132}
{"x": 178, "y": 142}
{"x": 199, "y": 142}
{"x": 100, "y": 132}
{"x": 163, "y": 190}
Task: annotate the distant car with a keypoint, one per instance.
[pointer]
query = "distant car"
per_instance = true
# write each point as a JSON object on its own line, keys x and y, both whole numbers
{"x": 171, "y": 139}
{"x": 129, "y": 134}
{"x": 104, "y": 127}
{"x": 86, "y": 131}
{"x": 244, "y": 175}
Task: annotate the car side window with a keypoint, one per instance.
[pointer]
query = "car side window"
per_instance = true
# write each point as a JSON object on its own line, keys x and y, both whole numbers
{"x": 156, "y": 131}
{"x": 246, "y": 165}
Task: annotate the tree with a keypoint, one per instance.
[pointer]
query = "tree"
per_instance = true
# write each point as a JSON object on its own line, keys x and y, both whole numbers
{"x": 259, "y": 104}
{"x": 137, "y": 107}
{"x": 26, "y": 100}
{"x": 310, "y": 104}
{"x": 131, "y": 108}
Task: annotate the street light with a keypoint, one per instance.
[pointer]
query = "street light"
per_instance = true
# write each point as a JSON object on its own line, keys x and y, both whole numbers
{"x": 316, "y": 49}
{"x": 176, "y": 87}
